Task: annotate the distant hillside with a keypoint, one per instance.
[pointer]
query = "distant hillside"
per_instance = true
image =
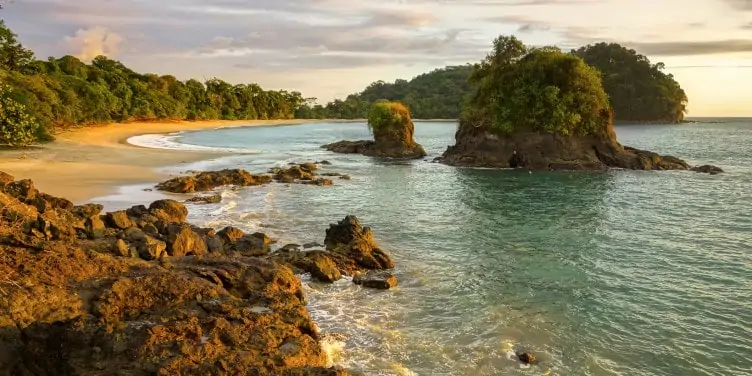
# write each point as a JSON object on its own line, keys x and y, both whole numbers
{"x": 638, "y": 90}
{"x": 438, "y": 94}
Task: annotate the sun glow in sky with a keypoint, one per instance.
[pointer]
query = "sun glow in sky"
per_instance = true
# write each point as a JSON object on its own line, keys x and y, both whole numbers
{"x": 331, "y": 48}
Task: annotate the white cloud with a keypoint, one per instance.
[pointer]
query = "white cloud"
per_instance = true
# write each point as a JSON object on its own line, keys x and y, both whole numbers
{"x": 90, "y": 43}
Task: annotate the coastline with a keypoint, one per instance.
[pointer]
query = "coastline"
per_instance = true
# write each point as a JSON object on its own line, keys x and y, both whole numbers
{"x": 88, "y": 162}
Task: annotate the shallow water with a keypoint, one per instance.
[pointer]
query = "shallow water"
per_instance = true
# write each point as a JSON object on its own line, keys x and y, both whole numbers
{"x": 597, "y": 273}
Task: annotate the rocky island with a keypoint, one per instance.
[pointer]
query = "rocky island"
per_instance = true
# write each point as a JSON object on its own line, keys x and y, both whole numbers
{"x": 393, "y": 130}
{"x": 542, "y": 109}
{"x": 142, "y": 292}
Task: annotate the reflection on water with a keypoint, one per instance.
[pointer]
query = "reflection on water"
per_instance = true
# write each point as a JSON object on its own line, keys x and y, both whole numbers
{"x": 605, "y": 273}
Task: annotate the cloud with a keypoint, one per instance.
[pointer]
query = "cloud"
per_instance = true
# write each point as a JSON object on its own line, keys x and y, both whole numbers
{"x": 740, "y": 4}
{"x": 692, "y": 48}
{"x": 90, "y": 43}
{"x": 747, "y": 26}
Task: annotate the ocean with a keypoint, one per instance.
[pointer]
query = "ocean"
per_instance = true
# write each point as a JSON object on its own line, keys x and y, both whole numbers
{"x": 596, "y": 273}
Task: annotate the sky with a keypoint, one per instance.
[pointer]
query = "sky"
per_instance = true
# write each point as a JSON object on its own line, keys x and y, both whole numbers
{"x": 331, "y": 48}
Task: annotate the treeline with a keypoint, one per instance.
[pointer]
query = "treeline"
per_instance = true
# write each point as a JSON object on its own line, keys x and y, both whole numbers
{"x": 37, "y": 96}
{"x": 638, "y": 90}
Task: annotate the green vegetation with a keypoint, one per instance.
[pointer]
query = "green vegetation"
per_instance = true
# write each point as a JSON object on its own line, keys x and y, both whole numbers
{"x": 66, "y": 91}
{"x": 17, "y": 127}
{"x": 639, "y": 90}
{"x": 43, "y": 95}
{"x": 536, "y": 89}
{"x": 385, "y": 116}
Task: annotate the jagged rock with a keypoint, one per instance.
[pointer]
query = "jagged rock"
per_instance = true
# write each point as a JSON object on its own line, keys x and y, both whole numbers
{"x": 150, "y": 248}
{"x": 312, "y": 245}
{"x": 376, "y": 280}
{"x": 183, "y": 241}
{"x": 708, "y": 169}
{"x": 324, "y": 269}
{"x": 209, "y": 180}
{"x": 319, "y": 182}
{"x": 357, "y": 242}
{"x": 324, "y": 162}
{"x": 213, "y": 199}
{"x": 230, "y": 234}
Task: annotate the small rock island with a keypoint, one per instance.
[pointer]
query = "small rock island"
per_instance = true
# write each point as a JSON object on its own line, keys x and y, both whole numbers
{"x": 542, "y": 109}
{"x": 393, "y": 130}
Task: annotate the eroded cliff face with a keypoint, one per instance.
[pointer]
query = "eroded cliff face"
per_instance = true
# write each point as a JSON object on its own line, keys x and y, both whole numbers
{"x": 478, "y": 146}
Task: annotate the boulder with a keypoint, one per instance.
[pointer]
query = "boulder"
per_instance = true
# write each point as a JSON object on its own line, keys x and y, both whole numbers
{"x": 323, "y": 268}
{"x": 708, "y": 169}
{"x": 183, "y": 241}
{"x": 119, "y": 219}
{"x": 149, "y": 248}
{"x": 376, "y": 279}
{"x": 356, "y": 242}
{"x": 168, "y": 211}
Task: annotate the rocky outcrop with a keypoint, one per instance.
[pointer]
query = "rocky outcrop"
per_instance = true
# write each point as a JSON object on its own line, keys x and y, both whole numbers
{"x": 142, "y": 292}
{"x": 477, "y": 146}
{"x": 207, "y": 180}
{"x": 393, "y": 134}
{"x": 350, "y": 250}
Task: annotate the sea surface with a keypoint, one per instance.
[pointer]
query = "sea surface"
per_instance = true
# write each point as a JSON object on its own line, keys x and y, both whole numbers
{"x": 596, "y": 273}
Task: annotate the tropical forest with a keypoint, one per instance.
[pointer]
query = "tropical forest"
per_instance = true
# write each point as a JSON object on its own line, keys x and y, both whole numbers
{"x": 38, "y": 97}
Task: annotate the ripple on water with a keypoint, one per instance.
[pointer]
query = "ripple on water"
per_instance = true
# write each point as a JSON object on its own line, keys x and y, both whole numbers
{"x": 618, "y": 273}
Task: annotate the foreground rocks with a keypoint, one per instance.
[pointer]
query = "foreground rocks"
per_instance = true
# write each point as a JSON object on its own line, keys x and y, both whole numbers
{"x": 142, "y": 292}
{"x": 477, "y": 146}
{"x": 207, "y": 180}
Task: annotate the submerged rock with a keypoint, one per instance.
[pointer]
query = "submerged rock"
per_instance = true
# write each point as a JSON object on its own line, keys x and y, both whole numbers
{"x": 213, "y": 199}
{"x": 526, "y": 358}
{"x": 708, "y": 169}
{"x": 376, "y": 280}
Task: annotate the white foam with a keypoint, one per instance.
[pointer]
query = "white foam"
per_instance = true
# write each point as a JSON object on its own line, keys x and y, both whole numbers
{"x": 169, "y": 142}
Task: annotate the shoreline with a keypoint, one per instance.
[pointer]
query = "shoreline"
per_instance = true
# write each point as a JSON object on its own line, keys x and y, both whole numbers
{"x": 93, "y": 161}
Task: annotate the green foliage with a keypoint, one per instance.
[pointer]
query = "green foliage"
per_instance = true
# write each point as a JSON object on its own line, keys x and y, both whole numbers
{"x": 639, "y": 90}
{"x": 13, "y": 56}
{"x": 539, "y": 89}
{"x": 66, "y": 91}
{"x": 385, "y": 116}
{"x": 17, "y": 126}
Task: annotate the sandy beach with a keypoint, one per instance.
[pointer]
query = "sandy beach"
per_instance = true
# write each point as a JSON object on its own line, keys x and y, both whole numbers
{"x": 88, "y": 162}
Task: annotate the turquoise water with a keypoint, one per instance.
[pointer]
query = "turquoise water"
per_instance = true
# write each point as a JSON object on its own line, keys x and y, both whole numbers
{"x": 607, "y": 273}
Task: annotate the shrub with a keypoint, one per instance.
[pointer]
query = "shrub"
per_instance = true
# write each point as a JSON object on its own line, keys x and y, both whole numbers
{"x": 385, "y": 116}
{"x": 17, "y": 126}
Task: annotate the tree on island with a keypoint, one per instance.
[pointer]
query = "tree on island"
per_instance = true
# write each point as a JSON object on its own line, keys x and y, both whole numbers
{"x": 542, "y": 109}
{"x": 639, "y": 91}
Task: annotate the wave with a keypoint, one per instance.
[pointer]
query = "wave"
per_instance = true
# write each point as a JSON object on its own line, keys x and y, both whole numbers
{"x": 170, "y": 142}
